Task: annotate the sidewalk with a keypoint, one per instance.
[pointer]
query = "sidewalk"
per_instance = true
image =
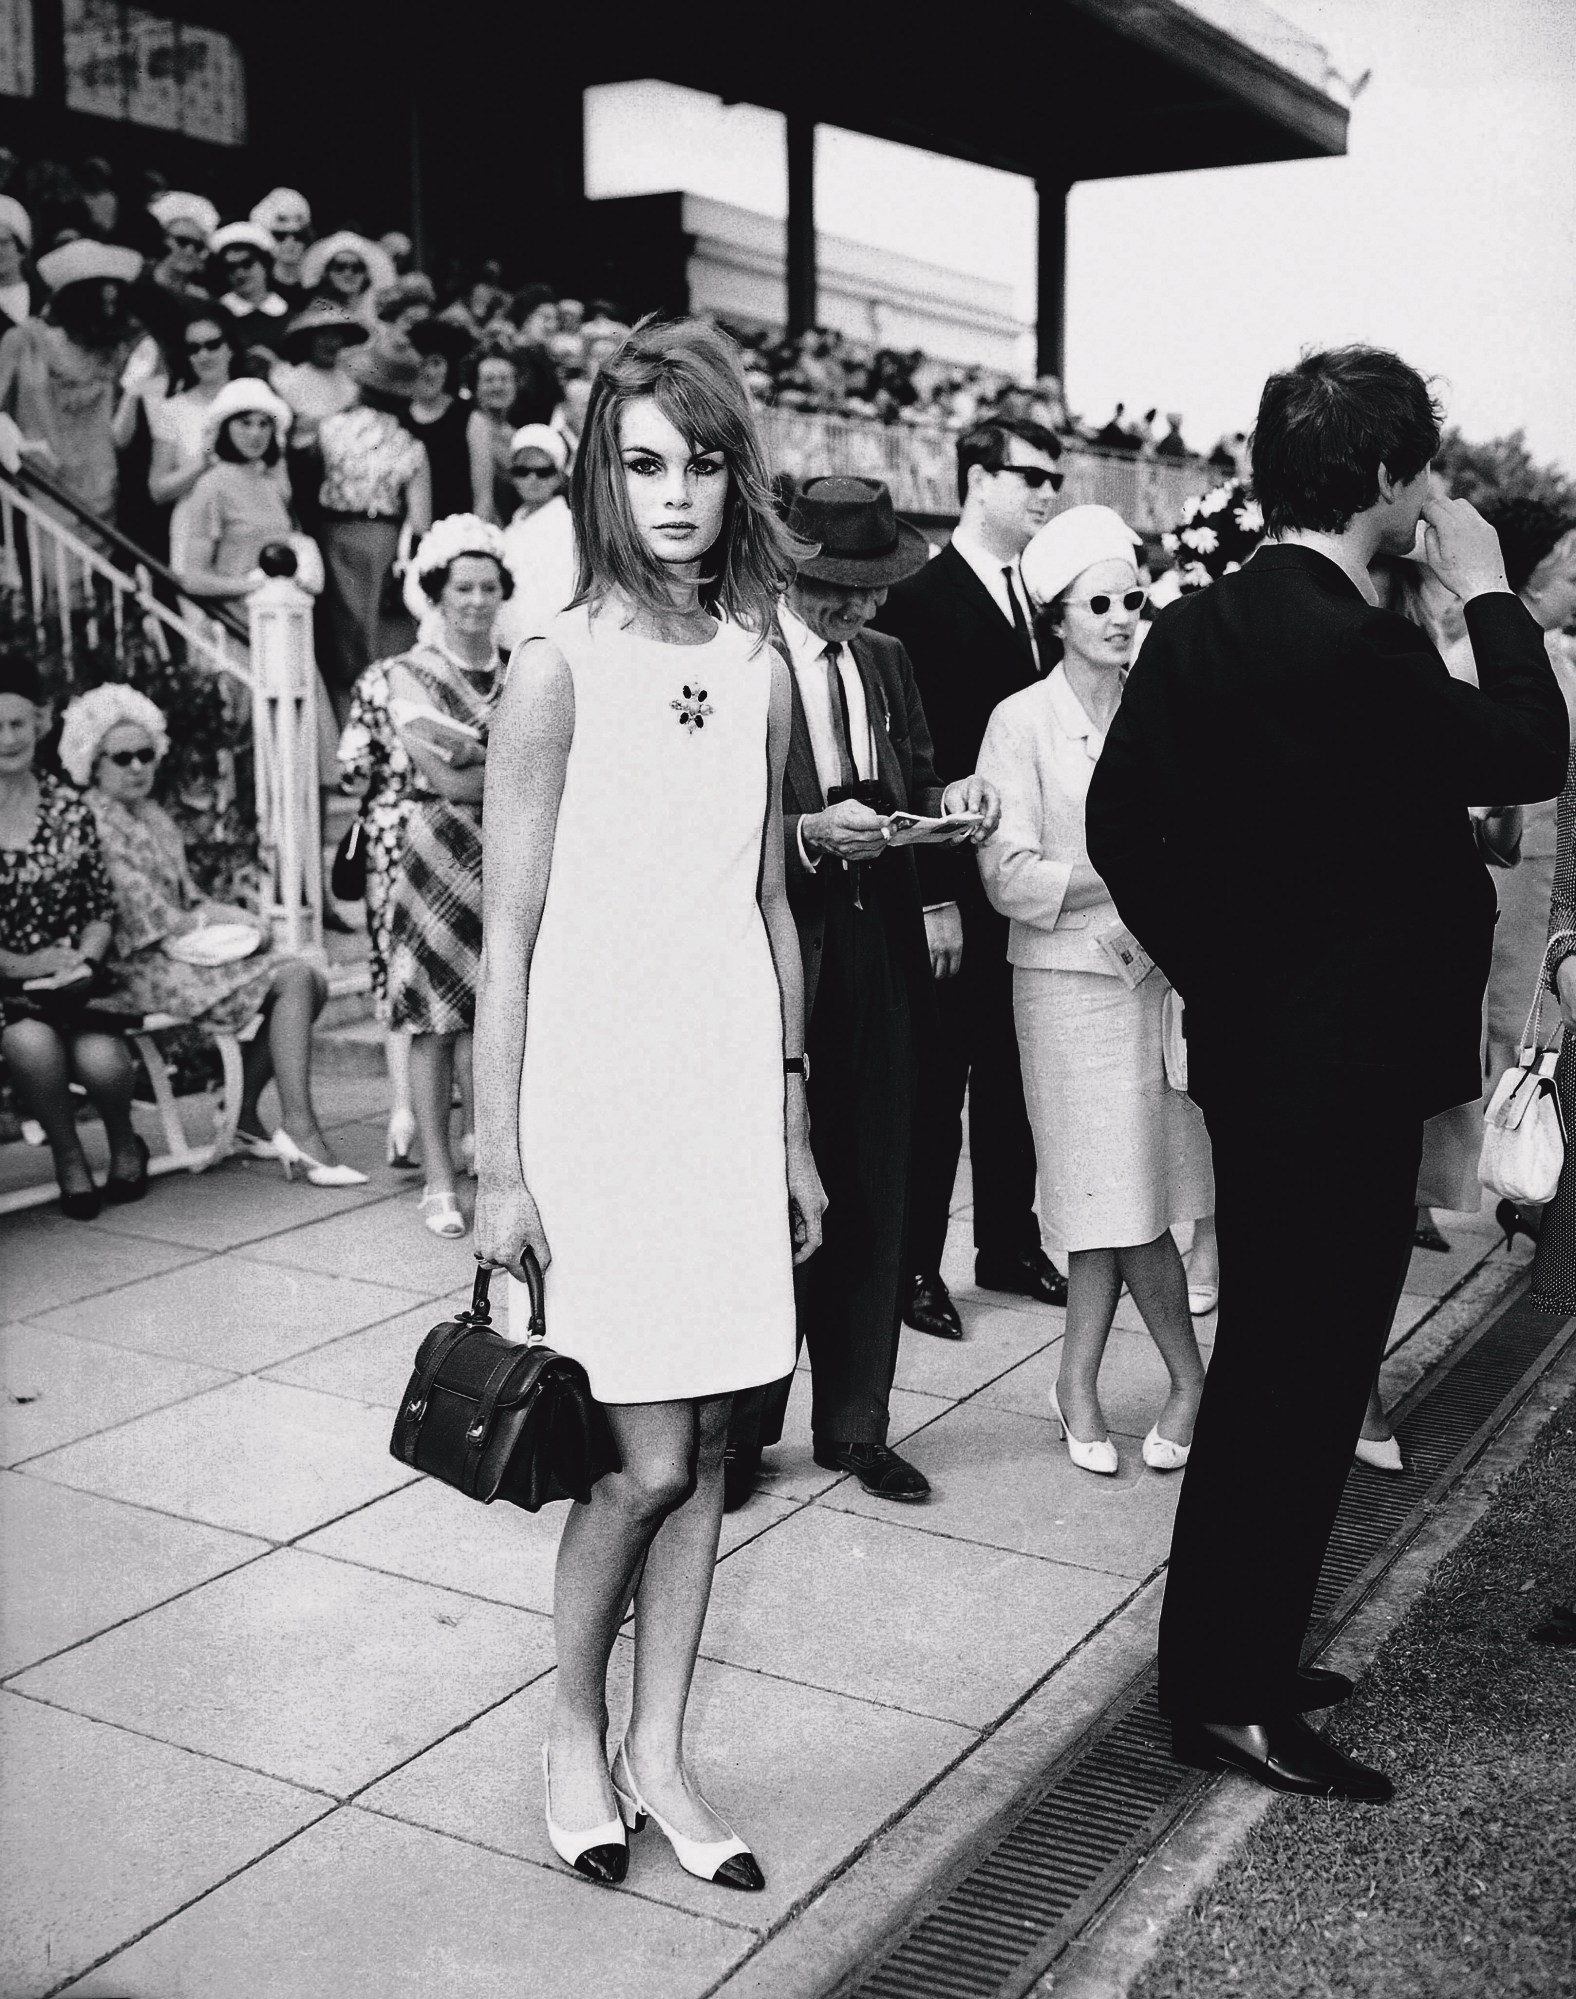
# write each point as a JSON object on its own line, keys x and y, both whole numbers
{"x": 272, "y": 1707}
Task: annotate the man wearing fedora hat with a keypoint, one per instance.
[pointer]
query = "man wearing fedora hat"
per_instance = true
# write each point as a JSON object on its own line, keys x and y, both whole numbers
{"x": 859, "y": 750}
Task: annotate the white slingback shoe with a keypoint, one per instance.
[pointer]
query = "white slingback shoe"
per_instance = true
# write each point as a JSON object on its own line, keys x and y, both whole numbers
{"x": 1097, "y": 1457}
{"x": 727, "y": 1862}
{"x": 601, "y": 1853}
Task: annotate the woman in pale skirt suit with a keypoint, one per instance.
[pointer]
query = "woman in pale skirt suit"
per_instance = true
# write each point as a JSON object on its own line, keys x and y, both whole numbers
{"x": 640, "y": 1077}
{"x": 1122, "y": 1155}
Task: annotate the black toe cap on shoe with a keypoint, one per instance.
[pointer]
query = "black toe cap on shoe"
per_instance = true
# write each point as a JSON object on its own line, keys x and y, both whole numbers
{"x": 607, "y": 1864}
{"x": 740, "y": 1872}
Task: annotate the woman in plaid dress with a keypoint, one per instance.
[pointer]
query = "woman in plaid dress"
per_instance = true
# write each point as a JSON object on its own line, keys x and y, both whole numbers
{"x": 441, "y": 697}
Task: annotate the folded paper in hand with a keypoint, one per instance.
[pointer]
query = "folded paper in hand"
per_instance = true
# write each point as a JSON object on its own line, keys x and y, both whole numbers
{"x": 1122, "y": 951}
{"x": 910, "y": 829}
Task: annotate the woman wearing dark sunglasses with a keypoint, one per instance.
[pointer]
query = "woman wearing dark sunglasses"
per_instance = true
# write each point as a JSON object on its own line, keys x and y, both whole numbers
{"x": 1122, "y": 1155}
{"x": 179, "y": 421}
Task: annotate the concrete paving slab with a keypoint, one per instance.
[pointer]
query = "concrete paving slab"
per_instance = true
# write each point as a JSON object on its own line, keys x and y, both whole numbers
{"x": 239, "y": 1318}
{"x": 373, "y": 1365}
{"x": 805, "y": 1776}
{"x": 908, "y": 1619}
{"x": 360, "y": 1907}
{"x": 255, "y": 1456}
{"x": 1133, "y": 1384}
{"x": 994, "y": 1339}
{"x": 435, "y": 1535}
{"x": 72, "y": 1564}
{"x": 387, "y": 1237}
{"x": 46, "y": 1260}
{"x": 103, "y": 1833}
{"x": 1434, "y": 1274}
{"x": 54, "y": 1389}
{"x": 1006, "y": 1481}
{"x": 318, "y": 1672}
{"x": 238, "y": 1201}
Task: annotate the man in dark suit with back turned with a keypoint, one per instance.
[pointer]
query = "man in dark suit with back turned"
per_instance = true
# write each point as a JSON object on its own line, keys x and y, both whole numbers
{"x": 1280, "y": 813}
{"x": 964, "y": 622}
{"x": 859, "y": 750}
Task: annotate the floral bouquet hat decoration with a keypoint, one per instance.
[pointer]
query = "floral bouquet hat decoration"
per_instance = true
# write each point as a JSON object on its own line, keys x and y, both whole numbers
{"x": 1217, "y": 533}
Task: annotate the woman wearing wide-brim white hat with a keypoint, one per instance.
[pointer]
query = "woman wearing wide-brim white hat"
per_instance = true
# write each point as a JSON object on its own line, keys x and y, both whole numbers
{"x": 347, "y": 269}
{"x": 1122, "y": 1154}
{"x": 240, "y": 503}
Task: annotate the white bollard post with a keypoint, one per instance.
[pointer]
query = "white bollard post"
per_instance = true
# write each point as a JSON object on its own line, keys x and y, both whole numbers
{"x": 284, "y": 737}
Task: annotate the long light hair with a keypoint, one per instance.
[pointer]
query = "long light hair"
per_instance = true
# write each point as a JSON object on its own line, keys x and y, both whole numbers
{"x": 692, "y": 373}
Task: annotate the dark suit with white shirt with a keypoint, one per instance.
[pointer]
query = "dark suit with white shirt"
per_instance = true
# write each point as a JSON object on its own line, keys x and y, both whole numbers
{"x": 867, "y": 992}
{"x": 967, "y": 657}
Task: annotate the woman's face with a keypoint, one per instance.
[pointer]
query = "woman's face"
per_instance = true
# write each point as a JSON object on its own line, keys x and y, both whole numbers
{"x": 208, "y": 351}
{"x": 540, "y": 325}
{"x": 326, "y": 348}
{"x": 496, "y": 386}
{"x": 471, "y": 597}
{"x": 1100, "y": 638}
{"x": 534, "y": 478}
{"x": 185, "y": 248}
{"x": 346, "y": 275}
{"x": 289, "y": 249}
{"x": 677, "y": 494}
{"x": 21, "y": 726}
{"x": 10, "y": 258}
{"x": 125, "y": 764}
{"x": 1551, "y": 591}
{"x": 433, "y": 378}
{"x": 246, "y": 272}
{"x": 251, "y": 433}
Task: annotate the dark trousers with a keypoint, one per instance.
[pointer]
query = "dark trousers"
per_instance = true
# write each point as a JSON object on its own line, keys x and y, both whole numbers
{"x": 847, "y": 1295}
{"x": 1288, "y": 1379}
{"x": 973, "y": 1046}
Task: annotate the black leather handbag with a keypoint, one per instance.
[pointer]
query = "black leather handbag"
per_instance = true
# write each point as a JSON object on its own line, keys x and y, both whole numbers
{"x": 347, "y": 878}
{"x": 498, "y": 1420}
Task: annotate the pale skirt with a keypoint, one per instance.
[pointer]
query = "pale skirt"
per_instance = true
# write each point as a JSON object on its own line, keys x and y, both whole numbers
{"x": 1122, "y": 1156}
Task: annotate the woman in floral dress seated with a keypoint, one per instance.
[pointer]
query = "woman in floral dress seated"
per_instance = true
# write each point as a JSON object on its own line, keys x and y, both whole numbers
{"x": 111, "y": 743}
{"x": 55, "y": 932}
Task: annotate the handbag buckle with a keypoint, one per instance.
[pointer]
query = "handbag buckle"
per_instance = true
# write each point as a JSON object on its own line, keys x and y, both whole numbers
{"x": 476, "y": 1432}
{"x": 417, "y": 1409}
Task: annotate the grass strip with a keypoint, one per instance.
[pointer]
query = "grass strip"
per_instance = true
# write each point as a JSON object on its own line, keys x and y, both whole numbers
{"x": 1465, "y": 1886}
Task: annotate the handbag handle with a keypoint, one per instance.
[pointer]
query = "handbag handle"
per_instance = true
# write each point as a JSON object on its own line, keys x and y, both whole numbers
{"x": 480, "y": 1313}
{"x": 1533, "y": 1028}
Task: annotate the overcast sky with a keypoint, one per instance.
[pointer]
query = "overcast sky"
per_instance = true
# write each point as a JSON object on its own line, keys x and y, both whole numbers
{"x": 1448, "y": 231}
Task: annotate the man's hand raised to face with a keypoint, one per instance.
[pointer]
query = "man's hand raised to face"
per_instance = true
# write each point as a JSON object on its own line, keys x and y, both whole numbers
{"x": 1462, "y": 548}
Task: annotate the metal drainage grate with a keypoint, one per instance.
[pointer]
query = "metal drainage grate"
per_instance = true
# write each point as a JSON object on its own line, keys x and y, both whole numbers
{"x": 1116, "y": 1793}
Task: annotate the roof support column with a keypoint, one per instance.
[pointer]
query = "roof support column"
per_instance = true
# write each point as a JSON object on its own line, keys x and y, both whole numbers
{"x": 801, "y": 222}
{"x": 1051, "y": 315}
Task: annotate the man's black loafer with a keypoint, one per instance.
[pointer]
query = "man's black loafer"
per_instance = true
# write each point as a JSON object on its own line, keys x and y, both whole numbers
{"x": 1029, "y": 1273}
{"x": 1283, "y": 1755}
{"x": 930, "y": 1310}
{"x": 1317, "y": 1686}
{"x": 878, "y": 1469}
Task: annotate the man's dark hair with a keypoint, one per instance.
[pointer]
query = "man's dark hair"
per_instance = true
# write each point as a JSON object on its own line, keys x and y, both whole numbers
{"x": 1327, "y": 425}
{"x": 989, "y": 444}
{"x": 1528, "y": 531}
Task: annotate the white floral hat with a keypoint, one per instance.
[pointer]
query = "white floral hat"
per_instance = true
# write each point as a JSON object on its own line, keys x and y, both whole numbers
{"x": 90, "y": 718}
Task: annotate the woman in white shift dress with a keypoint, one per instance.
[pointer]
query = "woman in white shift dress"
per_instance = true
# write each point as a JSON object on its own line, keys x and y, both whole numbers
{"x": 1121, "y": 1154}
{"x": 639, "y": 1037}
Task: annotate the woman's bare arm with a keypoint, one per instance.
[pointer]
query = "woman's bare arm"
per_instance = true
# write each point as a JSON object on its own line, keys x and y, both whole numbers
{"x": 531, "y": 734}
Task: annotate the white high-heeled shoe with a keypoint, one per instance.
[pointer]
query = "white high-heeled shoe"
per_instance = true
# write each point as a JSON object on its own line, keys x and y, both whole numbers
{"x": 1099, "y": 1457}
{"x": 728, "y": 1862}
{"x": 290, "y": 1155}
{"x": 250, "y": 1146}
{"x": 1160, "y": 1454}
{"x": 600, "y": 1854}
{"x": 400, "y": 1137}
{"x": 447, "y": 1219}
{"x": 1379, "y": 1454}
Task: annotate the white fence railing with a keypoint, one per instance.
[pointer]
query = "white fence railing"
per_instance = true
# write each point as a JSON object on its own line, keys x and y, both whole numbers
{"x": 919, "y": 463}
{"x": 70, "y": 584}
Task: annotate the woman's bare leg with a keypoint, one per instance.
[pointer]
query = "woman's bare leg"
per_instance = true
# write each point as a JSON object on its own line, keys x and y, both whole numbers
{"x": 465, "y": 1083}
{"x": 1203, "y": 1259}
{"x": 299, "y": 992}
{"x": 41, "y": 1070}
{"x": 1093, "y": 1284}
{"x": 670, "y": 1611}
{"x": 599, "y": 1557}
{"x": 1154, "y": 1274}
{"x": 431, "y": 1086}
{"x": 396, "y": 1053}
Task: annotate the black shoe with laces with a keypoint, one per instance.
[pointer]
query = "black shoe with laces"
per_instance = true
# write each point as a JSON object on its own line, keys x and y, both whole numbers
{"x": 878, "y": 1469}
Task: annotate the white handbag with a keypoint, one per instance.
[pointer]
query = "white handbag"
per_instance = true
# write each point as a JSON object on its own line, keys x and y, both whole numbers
{"x": 1173, "y": 1038}
{"x": 1524, "y": 1135}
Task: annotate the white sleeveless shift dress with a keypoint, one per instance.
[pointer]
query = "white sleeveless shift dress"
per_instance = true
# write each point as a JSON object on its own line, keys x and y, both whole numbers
{"x": 652, "y": 1090}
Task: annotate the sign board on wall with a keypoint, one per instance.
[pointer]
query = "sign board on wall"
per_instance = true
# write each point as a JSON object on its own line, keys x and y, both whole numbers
{"x": 144, "y": 69}
{"x": 16, "y": 48}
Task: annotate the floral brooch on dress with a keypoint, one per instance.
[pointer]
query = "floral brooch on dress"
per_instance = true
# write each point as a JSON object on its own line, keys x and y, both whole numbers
{"x": 693, "y": 709}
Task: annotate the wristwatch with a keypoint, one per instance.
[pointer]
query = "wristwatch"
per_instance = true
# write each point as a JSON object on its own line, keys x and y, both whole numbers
{"x": 797, "y": 1065}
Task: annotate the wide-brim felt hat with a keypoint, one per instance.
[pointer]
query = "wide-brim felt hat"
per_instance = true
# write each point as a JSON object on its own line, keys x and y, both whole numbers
{"x": 383, "y": 374}
{"x": 862, "y": 542}
{"x": 320, "y": 318}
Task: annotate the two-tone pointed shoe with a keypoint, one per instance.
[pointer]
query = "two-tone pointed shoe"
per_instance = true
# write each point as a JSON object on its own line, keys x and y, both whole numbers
{"x": 726, "y": 1863}
{"x": 601, "y": 1853}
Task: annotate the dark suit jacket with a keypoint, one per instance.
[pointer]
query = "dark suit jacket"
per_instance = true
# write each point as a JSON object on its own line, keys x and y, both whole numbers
{"x": 907, "y": 773}
{"x": 1281, "y": 815}
{"x": 966, "y": 660}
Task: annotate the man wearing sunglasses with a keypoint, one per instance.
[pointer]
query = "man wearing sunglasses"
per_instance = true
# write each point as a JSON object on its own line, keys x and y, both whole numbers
{"x": 965, "y": 622}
